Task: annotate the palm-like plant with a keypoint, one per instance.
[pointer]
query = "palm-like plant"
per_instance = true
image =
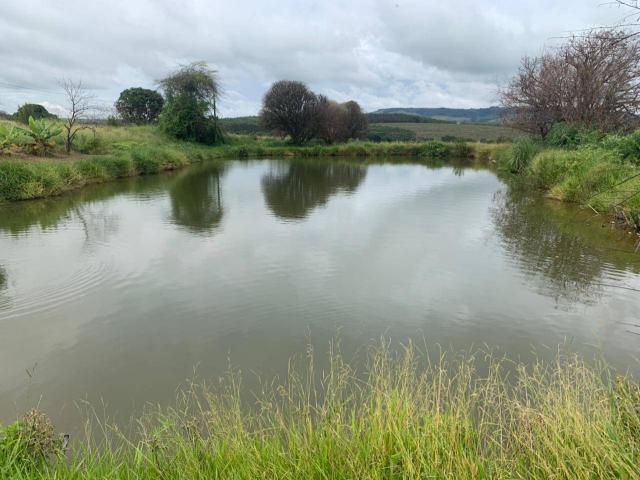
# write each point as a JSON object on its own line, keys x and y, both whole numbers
{"x": 41, "y": 136}
{"x": 10, "y": 137}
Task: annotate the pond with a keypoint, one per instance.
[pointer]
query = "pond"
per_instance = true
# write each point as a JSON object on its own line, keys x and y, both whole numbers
{"x": 117, "y": 293}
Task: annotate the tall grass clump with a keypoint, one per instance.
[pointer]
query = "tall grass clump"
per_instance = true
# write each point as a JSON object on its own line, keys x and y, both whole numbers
{"x": 398, "y": 415}
{"x": 519, "y": 156}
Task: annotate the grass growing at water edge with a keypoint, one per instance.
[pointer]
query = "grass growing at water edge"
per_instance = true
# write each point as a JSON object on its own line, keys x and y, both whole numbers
{"x": 601, "y": 174}
{"x": 117, "y": 152}
{"x": 400, "y": 417}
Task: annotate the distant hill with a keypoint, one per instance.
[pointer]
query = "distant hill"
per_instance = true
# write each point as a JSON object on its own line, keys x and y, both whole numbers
{"x": 471, "y": 115}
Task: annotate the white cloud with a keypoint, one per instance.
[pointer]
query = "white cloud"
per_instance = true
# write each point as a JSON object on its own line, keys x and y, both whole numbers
{"x": 380, "y": 53}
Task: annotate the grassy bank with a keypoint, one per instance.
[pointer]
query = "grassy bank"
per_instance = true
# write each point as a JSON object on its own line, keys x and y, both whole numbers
{"x": 401, "y": 417}
{"x": 599, "y": 172}
{"x": 117, "y": 152}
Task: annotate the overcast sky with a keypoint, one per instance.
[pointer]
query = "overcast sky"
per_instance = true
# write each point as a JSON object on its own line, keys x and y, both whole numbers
{"x": 421, "y": 53}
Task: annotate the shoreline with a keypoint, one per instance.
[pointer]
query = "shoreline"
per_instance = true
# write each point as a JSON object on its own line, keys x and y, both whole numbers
{"x": 36, "y": 178}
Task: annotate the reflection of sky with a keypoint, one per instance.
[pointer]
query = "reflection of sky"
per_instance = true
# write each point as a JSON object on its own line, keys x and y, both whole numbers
{"x": 125, "y": 307}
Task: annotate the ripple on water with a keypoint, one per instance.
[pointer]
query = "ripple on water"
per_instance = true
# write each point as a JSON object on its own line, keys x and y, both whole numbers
{"x": 77, "y": 285}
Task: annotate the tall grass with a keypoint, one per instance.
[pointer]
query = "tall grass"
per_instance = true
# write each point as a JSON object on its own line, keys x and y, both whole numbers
{"x": 399, "y": 416}
{"x": 598, "y": 171}
{"x": 520, "y": 154}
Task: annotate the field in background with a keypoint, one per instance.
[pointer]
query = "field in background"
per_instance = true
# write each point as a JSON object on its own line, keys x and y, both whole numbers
{"x": 399, "y": 127}
{"x": 464, "y": 131}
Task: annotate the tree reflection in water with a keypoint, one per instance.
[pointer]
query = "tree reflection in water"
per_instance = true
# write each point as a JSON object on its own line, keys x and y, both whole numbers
{"x": 3, "y": 278}
{"x": 196, "y": 201}
{"x": 293, "y": 190}
{"x": 559, "y": 246}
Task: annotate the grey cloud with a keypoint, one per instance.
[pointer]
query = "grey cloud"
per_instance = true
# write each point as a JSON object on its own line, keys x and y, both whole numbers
{"x": 381, "y": 53}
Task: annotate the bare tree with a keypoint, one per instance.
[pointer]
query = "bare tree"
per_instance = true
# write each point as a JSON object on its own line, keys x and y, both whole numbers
{"x": 79, "y": 107}
{"x": 591, "y": 81}
{"x": 631, "y": 19}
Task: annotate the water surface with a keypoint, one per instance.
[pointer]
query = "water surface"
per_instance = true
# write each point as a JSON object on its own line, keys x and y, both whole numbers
{"x": 115, "y": 293}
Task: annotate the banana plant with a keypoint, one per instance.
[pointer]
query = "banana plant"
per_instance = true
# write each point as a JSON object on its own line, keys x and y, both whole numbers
{"x": 41, "y": 136}
{"x": 11, "y": 138}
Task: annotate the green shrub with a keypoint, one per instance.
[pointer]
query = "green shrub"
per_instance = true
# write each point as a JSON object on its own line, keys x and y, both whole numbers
{"x": 564, "y": 135}
{"x": 627, "y": 146}
{"x": 435, "y": 149}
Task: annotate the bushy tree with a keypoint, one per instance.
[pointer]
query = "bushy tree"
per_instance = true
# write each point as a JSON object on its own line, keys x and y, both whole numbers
{"x": 139, "y": 105}
{"x": 290, "y": 108}
{"x": 190, "y": 110}
{"x": 32, "y": 110}
{"x": 332, "y": 121}
{"x": 339, "y": 122}
{"x": 356, "y": 123}
{"x": 592, "y": 81}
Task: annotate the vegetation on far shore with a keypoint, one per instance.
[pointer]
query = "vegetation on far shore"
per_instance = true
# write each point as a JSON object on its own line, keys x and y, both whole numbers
{"x": 106, "y": 153}
{"x": 398, "y": 416}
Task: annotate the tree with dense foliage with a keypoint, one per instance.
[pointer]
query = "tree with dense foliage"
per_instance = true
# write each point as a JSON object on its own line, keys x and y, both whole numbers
{"x": 290, "y": 108}
{"x": 139, "y": 105}
{"x": 33, "y": 110}
{"x": 592, "y": 81}
{"x": 190, "y": 111}
{"x": 356, "y": 123}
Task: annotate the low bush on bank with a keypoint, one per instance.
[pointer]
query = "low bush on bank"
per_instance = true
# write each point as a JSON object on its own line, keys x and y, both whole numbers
{"x": 598, "y": 171}
{"x": 399, "y": 416}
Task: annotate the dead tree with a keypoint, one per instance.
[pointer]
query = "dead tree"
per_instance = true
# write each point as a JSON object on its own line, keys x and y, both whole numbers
{"x": 79, "y": 106}
{"x": 591, "y": 81}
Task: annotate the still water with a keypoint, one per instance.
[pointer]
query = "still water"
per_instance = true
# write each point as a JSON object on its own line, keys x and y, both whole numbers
{"x": 116, "y": 293}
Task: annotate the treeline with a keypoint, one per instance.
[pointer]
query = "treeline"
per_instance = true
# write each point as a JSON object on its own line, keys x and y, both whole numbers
{"x": 376, "y": 117}
{"x": 187, "y": 109}
{"x": 443, "y": 114}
